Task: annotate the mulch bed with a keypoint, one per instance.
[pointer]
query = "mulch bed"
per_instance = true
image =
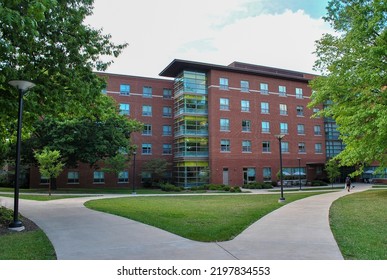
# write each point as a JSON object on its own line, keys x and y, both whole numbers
{"x": 28, "y": 224}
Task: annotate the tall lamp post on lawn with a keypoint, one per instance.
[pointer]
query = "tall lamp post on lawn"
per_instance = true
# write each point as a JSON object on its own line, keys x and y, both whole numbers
{"x": 134, "y": 172}
{"x": 22, "y": 87}
{"x": 280, "y": 137}
{"x": 299, "y": 171}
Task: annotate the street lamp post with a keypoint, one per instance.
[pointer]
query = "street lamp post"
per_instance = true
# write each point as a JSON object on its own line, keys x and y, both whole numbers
{"x": 280, "y": 137}
{"x": 134, "y": 172}
{"x": 22, "y": 87}
{"x": 299, "y": 171}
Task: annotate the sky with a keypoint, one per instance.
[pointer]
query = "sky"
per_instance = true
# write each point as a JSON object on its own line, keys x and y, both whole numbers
{"x": 276, "y": 33}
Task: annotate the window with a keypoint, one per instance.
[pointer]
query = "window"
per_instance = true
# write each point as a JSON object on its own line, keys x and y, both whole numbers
{"x": 223, "y": 83}
{"x": 283, "y": 109}
{"x": 44, "y": 180}
{"x": 73, "y": 177}
{"x": 301, "y": 129}
{"x": 124, "y": 109}
{"x": 265, "y": 127}
{"x": 316, "y": 111}
{"x": 224, "y": 124}
{"x": 146, "y": 149}
{"x": 245, "y": 86}
{"x": 167, "y": 130}
{"x": 282, "y": 90}
{"x": 301, "y": 147}
{"x": 147, "y": 129}
{"x": 300, "y": 111}
{"x": 266, "y": 147}
{"x": 147, "y": 110}
{"x": 224, "y": 145}
{"x": 167, "y": 112}
{"x": 99, "y": 177}
{"x": 317, "y": 130}
{"x": 284, "y": 128}
{"x": 264, "y": 88}
{"x": 267, "y": 173}
{"x": 245, "y": 105}
{"x": 246, "y": 146}
{"x": 147, "y": 92}
{"x": 124, "y": 89}
{"x": 224, "y": 104}
{"x": 167, "y": 149}
{"x": 299, "y": 94}
{"x": 167, "y": 93}
{"x": 123, "y": 177}
{"x": 104, "y": 90}
{"x": 246, "y": 126}
{"x": 285, "y": 147}
{"x": 248, "y": 175}
{"x": 264, "y": 108}
{"x": 318, "y": 148}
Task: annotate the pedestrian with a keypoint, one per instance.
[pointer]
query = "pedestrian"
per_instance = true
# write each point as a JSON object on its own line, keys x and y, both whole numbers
{"x": 348, "y": 183}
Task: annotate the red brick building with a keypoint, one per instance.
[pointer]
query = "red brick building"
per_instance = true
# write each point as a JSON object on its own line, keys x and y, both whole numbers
{"x": 216, "y": 124}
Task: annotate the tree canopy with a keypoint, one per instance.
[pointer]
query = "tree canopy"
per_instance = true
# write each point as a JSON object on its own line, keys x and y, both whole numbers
{"x": 46, "y": 41}
{"x": 353, "y": 84}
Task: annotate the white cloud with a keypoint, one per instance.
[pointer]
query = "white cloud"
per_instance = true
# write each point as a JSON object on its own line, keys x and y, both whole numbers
{"x": 206, "y": 31}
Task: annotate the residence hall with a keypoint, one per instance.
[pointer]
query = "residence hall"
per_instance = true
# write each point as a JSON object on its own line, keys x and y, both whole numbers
{"x": 215, "y": 124}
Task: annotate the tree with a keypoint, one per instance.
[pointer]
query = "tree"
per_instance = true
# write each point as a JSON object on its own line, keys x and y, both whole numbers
{"x": 353, "y": 85}
{"x": 116, "y": 164}
{"x": 46, "y": 41}
{"x": 333, "y": 170}
{"x": 50, "y": 165}
{"x": 157, "y": 167}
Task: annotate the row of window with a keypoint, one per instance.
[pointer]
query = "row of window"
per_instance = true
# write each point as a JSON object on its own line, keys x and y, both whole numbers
{"x": 146, "y": 110}
{"x": 265, "y": 127}
{"x": 263, "y": 88}
{"x": 147, "y": 91}
{"x": 224, "y": 104}
{"x": 225, "y": 146}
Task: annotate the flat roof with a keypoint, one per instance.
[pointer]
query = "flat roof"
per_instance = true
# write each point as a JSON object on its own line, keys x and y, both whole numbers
{"x": 178, "y": 65}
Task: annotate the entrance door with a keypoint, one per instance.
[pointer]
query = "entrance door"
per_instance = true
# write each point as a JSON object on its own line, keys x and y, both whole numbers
{"x": 225, "y": 176}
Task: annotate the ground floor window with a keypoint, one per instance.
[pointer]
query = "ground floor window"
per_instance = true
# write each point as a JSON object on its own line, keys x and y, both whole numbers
{"x": 249, "y": 175}
{"x": 99, "y": 177}
{"x": 73, "y": 177}
{"x": 191, "y": 173}
{"x": 123, "y": 177}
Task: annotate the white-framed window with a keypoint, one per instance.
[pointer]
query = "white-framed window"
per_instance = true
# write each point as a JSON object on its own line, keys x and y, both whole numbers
{"x": 266, "y": 172}
{"x": 317, "y": 130}
{"x": 124, "y": 109}
{"x": 285, "y": 147}
{"x": 301, "y": 129}
{"x": 125, "y": 89}
{"x": 224, "y": 124}
{"x": 282, "y": 90}
{"x": 224, "y": 104}
{"x": 123, "y": 176}
{"x": 300, "y": 111}
{"x": 284, "y": 128}
{"x": 264, "y": 88}
{"x": 167, "y": 112}
{"x": 147, "y": 92}
{"x": 301, "y": 147}
{"x": 265, "y": 108}
{"x": 265, "y": 127}
{"x": 283, "y": 109}
{"x": 167, "y": 130}
{"x": 167, "y": 149}
{"x": 147, "y": 129}
{"x": 146, "y": 149}
{"x": 318, "y": 148}
{"x": 223, "y": 83}
{"x": 99, "y": 177}
{"x": 246, "y": 146}
{"x": 73, "y": 177}
{"x": 167, "y": 93}
{"x": 299, "y": 93}
{"x": 245, "y": 105}
{"x": 225, "y": 145}
{"x": 147, "y": 110}
{"x": 246, "y": 126}
{"x": 266, "y": 147}
{"x": 244, "y": 86}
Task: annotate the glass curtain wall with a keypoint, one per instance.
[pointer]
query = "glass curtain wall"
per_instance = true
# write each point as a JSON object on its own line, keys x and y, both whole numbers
{"x": 191, "y": 129}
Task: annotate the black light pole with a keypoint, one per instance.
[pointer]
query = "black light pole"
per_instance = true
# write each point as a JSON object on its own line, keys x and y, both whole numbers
{"x": 299, "y": 171}
{"x": 279, "y": 137}
{"x": 22, "y": 87}
{"x": 134, "y": 172}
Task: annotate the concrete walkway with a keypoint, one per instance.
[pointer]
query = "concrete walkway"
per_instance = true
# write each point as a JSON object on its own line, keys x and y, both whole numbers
{"x": 297, "y": 231}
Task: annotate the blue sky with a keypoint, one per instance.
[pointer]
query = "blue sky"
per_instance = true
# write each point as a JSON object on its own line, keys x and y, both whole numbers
{"x": 278, "y": 33}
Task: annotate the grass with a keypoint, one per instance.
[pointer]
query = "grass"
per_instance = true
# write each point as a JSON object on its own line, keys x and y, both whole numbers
{"x": 31, "y": 245}
{"x": 359, "y": 224}
{"x": 39, "y": 197}
{"x": 201, "y": 218}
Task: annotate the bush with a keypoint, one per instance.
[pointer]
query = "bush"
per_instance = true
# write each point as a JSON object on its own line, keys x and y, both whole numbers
{"x": 317, "y": 183}
{"x": 6, "y": 216}
{"x": 167, "y": 187}
{"x": 220, "y": 187}
{"x": 258, "y": 185}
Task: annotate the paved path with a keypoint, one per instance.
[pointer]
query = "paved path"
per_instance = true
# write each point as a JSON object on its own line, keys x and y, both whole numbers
{"x": 297, "y": 231}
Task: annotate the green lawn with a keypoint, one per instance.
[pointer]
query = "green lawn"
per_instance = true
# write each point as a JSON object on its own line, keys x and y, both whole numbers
{"x": 359, "y": 224}
{"x": 202, "y": 217}
{"x": 31, "y": 245}
{"x": 40, "y": 197}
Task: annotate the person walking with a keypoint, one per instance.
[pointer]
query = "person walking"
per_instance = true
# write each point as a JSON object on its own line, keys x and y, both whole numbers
{"x": 348, "y": 183}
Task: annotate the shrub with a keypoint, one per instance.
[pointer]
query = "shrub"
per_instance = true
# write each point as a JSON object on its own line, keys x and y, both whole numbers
{"x": 258, "y": 185}
{"x": 167, "y": 187}
{"x": 6, "y": 216}
{"x": 316, "y": 183}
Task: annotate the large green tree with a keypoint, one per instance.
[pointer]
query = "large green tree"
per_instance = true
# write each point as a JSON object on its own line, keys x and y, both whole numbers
{"x": 47, "y": 42}
{"x": 353, "y": 84}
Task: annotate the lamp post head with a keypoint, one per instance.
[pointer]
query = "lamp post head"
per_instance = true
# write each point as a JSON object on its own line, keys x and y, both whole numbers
{"x": 279, "y": 136}
{"x": 22, "y": 85}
